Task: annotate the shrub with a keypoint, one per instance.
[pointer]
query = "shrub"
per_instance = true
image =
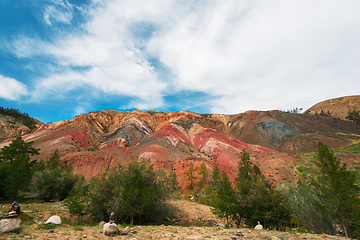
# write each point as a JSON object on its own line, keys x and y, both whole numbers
{"x": 52, "y": 181}
{"x": 133, "y": 191}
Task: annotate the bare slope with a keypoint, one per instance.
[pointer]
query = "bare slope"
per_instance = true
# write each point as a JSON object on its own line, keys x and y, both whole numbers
{"x": 338, "y": 107}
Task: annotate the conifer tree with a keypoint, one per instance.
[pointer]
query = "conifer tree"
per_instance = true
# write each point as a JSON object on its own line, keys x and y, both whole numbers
{"x": 215, "y": 176}
{"x": 191, "y": 177}
{"x": 257, "y": 199}
{"x": 173, "y": 182}
{"x": 224, "y": 201}
{"x": 339, "y": 191}
{"x": 203, "y": 179}
{"x": 15, "y": 167}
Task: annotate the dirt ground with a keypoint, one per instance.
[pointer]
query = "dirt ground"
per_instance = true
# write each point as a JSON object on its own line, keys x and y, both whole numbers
{"x": 194, "y": 215}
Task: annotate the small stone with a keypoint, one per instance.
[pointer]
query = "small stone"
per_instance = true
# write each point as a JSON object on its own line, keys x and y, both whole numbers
{"x": 124, "y": 231}
{"x": 212, "y": 222}
{"x": 51, "y": 231}
{"x": 84, "y": 236}
{"x": 102, "y": 223}
{"x": 220, "y": 225}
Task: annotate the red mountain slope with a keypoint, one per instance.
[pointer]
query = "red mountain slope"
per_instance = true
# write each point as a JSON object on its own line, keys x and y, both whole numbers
{"x": 95, "y": 141}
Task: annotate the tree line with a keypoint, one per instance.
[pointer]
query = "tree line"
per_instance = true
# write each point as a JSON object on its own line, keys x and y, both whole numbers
{"x": 135, "y": 193}
{"x": 17, "y": 114}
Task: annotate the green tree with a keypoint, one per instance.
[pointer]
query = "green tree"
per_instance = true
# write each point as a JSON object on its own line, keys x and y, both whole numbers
{"x": 173, "y": 182}
{"x": 54, "y": 160}
{"x": 354, "y": 116}
{"x": 16, "y": 168}
{"x": 306, "y": 211}
{"x": 339, "y": 191}
{"x": 203, "y": 178}
{"x": 215, "y": 176}
{"x": 223, "y": 202}
{"x": 52, "y": 181}
{"x": 17, "y": 148}
{"x": 191, "y": 177}
{"x": 133, "y": 191}
{"x": 257, "y": 199}
{"x": 76, "y": 201}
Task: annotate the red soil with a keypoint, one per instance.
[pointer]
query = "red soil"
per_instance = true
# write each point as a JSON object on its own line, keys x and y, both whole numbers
{"x": 79, "y": 138}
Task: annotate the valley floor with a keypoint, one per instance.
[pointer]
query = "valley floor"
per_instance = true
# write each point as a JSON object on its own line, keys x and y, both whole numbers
{"x": 190, "y": 213}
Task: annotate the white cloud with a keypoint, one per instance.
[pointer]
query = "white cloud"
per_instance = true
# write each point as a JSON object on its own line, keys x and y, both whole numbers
{"x": 261, "y": 54}
{"x": 11, "y": 89}
{"x": 60, "y": 11}
{"x": 244, "y": 54}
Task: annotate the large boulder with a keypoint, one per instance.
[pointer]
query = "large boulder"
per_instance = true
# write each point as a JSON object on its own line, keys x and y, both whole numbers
{"x": 258, "y": 226}
{"x": 10, "y": 225}
{"x": 110, "y": 228}
{"x": 54, "y": 220}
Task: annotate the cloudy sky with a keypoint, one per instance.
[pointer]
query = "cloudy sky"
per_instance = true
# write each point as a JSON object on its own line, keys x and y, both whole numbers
{"x": 61, "y": 58}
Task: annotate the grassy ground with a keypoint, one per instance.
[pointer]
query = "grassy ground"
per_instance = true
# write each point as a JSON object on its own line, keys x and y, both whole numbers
{"x": 34, "y": 214}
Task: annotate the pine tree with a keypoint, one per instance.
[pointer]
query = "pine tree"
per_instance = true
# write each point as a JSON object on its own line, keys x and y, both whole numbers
{"x": 173, "y": 182}
{"x": 215, "y": 176}
{"x": 17, "y": 147}
{"x": 15, "y": 167}
{"x": 191, "y": 177}
{"x": 339, "y": 191}
{"x": 354, "y": 116}
{"x": 224, "y": 201}
{"x": 257, "y": 199}
{"x": 203, "y": 179}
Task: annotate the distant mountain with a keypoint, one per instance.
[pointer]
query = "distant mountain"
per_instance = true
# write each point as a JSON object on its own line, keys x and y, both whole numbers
{"x": 337, "y": 107}
{"x": 95, "y": 141}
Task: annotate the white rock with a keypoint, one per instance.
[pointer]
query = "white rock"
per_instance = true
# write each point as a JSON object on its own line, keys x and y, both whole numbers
{"x": 10, "y": 225}
{"x": 54, "y": 220}
{"x": 220, "y": 225}
{"x": 110, "y": 228}
{"x": 258, "y": 227}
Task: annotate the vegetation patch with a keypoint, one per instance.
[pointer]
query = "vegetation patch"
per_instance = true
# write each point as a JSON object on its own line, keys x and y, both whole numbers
{"x": 22, "y": 117}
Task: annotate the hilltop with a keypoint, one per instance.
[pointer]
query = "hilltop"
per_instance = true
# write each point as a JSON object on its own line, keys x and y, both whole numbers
{"x": 337, "y": 107}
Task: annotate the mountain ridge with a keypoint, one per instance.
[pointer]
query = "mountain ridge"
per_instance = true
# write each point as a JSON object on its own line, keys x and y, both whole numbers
{"x": 95, "y": 141}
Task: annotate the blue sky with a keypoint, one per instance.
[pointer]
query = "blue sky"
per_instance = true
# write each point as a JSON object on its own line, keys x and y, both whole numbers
{"x": 61, "y": 58}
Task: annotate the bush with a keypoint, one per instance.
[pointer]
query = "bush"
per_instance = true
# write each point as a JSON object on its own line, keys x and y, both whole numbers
{"x": 52, "y": 181}
{"x": 354, "y": 116}
{"x": 133, "y": 191}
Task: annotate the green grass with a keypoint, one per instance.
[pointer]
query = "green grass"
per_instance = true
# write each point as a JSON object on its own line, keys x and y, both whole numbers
{"x": 354, "y": 148}
{"x": 47, "y": 226}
